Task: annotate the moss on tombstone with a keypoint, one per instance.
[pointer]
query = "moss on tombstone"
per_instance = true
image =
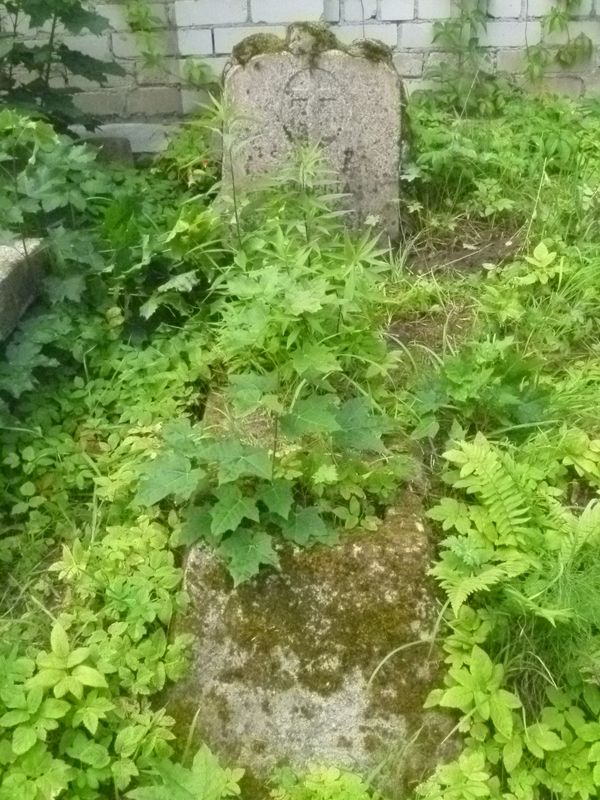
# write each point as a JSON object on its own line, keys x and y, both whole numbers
{"x": 256, "y": 45}
{"x": 311, "y": 38}
{"x": 372, "y": 50}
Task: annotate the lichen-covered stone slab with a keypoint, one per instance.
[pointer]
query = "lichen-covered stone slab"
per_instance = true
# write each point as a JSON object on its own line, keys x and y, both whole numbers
{"x": 21, "y": 271}
{"x": 346, "y": 100}
{"x": 282, "y": 666}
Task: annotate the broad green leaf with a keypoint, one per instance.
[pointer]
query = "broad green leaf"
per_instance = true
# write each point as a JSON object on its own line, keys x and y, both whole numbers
{"x": 326, "y": 473}
{"x": 68, "y": 684}
{"x": 59, "y": 641}
{"x": 128, "y": 740}
{"x": 245, "y": 551}
{"x": 88, "y": 751}
{"x": 278, "y": 497}
{"x": 481, "y": 666}
{"x": 512, "y": 753}
{"x": 251, "y": 461}
{"x": 168, "y": 474}
{"x": 230, "y": 509}
{"x": 251, "y": 390}
{"x": 460, "y": 697}
{"x": 206, "y": 780}
{"x": 306, "y": 527}
{"x": 77, "y": 656}
{"x": 359, "y": 429}
{"x": 540, "y": 738}
{"x": 123, "y": 771}
{"x": 315, "y": 359}
{"x": 89, "y": 676}
{"x": 23, "y": 740}
{"x": 34, "y": 699}
{"x": 54, "y": 709}
{"x": 182, "y": 438}
{"x": 45, "y": 678}
{"x": 501, "y": 715}
{"x": 315, "y": 414}
{"x": 12, "y": 718}
{"x": 196, "y": 525}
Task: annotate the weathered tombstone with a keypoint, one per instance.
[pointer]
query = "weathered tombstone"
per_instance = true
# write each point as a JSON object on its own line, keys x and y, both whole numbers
{"x": 21, "y": 272}
{"x": 310, "y": 89}
{"x": 285, "y": 667}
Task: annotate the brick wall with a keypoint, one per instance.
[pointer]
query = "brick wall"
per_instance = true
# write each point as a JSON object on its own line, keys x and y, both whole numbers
{"x": 146, "y": 103}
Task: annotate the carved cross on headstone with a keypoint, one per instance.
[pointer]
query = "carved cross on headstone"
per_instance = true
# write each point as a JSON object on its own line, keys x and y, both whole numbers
{"x": 313, "y": 96}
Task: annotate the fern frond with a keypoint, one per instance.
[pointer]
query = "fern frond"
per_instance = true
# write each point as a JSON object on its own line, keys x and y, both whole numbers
{"x": 493, "y": 478}
{"x": 459, "y": 592}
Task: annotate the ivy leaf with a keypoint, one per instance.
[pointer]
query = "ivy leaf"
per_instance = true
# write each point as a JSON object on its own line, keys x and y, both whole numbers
{"x": 359, "y": 429}
{"x": 306, "y": 527}
{"x": 311, "y": 415}
{"x": 245, "y": 551}
{"x": 278, "y": 497}
{"x": 169, "y": 473}
{"x": 230, "y": 509}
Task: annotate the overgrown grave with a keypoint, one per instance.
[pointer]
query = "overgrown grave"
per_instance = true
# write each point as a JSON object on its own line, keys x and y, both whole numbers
{"x": 310, "y": 88}
{"x": 296, "y": 482}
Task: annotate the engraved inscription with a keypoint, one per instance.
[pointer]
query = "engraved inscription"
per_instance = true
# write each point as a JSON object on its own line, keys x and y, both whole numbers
{"x": 313, "y": 108}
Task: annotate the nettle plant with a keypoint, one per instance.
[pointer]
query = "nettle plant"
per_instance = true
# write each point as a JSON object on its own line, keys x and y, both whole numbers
{"x": 34, "y": 58}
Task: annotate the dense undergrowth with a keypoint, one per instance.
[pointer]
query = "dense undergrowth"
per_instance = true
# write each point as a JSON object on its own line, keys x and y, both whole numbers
{"x": 248, "y": 374}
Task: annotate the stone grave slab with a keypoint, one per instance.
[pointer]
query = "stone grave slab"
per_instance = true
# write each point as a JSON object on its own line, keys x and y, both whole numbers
{"x": 347, "y": 100}
{"x": 21, "y": 272}
{"x": 283, "y": 666}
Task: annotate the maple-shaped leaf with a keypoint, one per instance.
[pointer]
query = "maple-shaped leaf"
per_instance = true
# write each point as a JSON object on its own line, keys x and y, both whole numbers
{"x": 245, "y": 551}
{"x": 230, "y": 509}
{"x": 306, "y": 527}
{"x": 168, "y": 474}
{"x": 250, "y": 390}
{"x": 315, "y": 414}
{"x": 249, "y": 460}
{"x": 314, "y": 358}
{"x": 196, "y": 525}
{"x": 206, "y": 780}
{"x": 278, "y": 497}
{"x": 181, "y": 437}
{"x": 359, "y": 429}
